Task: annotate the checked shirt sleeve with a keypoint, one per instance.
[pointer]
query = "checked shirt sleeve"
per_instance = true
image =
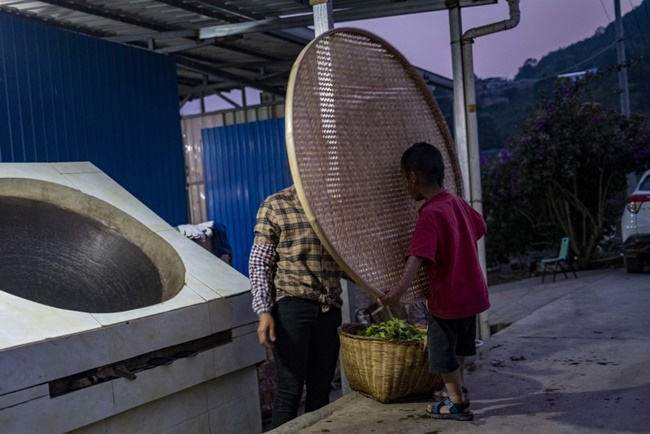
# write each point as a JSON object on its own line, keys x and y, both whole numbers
{"x": 260, "y": 269}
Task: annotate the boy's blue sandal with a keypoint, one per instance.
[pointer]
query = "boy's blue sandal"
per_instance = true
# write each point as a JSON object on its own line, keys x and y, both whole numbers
{"x": 456, "y": 411}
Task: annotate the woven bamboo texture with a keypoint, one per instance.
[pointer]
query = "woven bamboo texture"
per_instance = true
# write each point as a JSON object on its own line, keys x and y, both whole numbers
{"x": 354, "y": 105}
{"x": 386, "y": 370}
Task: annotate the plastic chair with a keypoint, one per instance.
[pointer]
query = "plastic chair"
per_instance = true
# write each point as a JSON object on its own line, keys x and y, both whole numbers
{"x": 559, "y": 262}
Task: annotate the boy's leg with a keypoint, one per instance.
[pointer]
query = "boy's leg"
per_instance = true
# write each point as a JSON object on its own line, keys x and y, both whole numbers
{"x": 461, "y": 372}
{"x": 466, "y": 343}
{"x": 461, "y": 369}
{"x": 443, "y": 339}
{"x": 442, "y": 394}
{"x": 453, "y": 384}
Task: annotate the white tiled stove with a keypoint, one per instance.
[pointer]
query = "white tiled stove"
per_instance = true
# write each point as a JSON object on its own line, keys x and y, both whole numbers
{"x": 42, "y": 346}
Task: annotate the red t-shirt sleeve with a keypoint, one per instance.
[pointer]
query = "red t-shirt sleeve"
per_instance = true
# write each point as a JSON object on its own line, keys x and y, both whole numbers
{"x": 425, "y": 240}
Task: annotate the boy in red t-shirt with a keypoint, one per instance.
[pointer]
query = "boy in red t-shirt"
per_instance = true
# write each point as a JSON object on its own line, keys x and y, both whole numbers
{"x": 444, "y": 242}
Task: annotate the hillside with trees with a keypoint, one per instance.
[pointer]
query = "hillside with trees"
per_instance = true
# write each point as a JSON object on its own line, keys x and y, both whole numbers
{"x": 504, "y": 105}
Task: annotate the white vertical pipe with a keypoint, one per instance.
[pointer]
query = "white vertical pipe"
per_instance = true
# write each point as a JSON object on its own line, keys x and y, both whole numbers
{"x": 463, "y": 76}
{"x": 475, "y": 193}
{"x": 323, "y": 17}
{"x": 622, "y": 80}
{"x": 474, "y": 157}
{"x": 324, "y": 21}
{"x": 471, "y": 118}
{"x": 622, "y": 67}
{"x": 460, "y": 119}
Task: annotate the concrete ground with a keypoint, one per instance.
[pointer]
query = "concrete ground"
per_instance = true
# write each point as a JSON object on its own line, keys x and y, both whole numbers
{"x": 575, "y": 358}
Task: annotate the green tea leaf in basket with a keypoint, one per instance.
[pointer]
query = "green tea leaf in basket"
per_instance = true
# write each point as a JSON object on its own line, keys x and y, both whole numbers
{"x": 394, "y": 329}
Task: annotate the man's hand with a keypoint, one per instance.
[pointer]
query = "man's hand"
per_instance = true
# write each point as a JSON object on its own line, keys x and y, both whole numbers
{"x": 266, "y": 330}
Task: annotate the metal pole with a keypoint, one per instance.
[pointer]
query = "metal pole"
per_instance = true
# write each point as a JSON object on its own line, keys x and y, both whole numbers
{"x": 243, "y": 103}
{"x": 460, "y": 117}
{"x": 622, "y": 79}
{"x": 205, "y": 83}
{"x": 471, "y": 119}
{"x": 323, "y": 16}
{"x": 463, "y": 81}
{"x": 474, "y": 192}
{"x": 474, "y": 157}
{"x": 622, "y": 67}
{"x": 324, "y": 21}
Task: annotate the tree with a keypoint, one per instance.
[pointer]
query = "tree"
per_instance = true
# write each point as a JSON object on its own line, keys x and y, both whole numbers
{"x": 489, "y": 135}
{"x": 565, "y": 173}
{"x": 527, "y": 70}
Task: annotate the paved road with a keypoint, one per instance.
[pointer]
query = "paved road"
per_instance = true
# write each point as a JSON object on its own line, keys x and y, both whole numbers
{"x": 574, "y": 359}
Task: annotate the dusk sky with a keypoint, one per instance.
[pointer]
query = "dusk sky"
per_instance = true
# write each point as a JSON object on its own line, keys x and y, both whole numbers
{"x": 545, "y": 26}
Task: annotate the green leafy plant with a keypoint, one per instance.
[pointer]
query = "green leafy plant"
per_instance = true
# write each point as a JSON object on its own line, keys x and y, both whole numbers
{"x": 394, "y": 329}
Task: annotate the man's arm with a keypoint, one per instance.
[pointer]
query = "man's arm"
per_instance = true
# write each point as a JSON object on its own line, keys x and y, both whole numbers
{"x": 261, "y": 270}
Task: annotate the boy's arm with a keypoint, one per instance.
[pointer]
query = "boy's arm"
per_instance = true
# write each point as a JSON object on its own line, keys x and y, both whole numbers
{"x": 413, "y": 264}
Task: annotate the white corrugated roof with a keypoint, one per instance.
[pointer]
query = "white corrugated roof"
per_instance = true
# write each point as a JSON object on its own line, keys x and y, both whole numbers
{"x": 234, "y": 43}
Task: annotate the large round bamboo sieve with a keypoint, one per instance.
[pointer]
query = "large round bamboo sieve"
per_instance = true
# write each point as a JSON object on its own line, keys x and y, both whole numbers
{"x": 354, "y": 105}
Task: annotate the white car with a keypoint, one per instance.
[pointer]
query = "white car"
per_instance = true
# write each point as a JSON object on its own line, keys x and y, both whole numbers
{"x": 635, "y": 227}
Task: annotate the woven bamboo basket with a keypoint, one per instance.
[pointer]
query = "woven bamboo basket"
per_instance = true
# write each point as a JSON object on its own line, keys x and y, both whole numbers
{"x": 354, "y": 105}
{"x": 383, "y": 369}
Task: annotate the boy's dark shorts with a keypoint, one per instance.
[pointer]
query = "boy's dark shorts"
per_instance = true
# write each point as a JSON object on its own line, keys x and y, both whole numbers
{"x": 447, "y": 339}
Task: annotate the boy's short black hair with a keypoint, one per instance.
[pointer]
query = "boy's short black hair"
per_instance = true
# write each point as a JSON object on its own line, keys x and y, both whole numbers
{"x": 425, "y": 159}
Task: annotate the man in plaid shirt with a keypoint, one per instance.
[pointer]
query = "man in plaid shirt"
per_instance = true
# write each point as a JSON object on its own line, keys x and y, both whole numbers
{"x": 296, "y": 291}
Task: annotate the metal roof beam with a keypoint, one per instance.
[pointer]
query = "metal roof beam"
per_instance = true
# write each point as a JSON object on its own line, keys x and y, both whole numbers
{"x": 435, "y": 79}
{"x": 53, "y": 22}
{"x": 228, "y": 100}
{"x": 103, "y": 12}
{"x": 184, "y": 47}
{"x": 340, "y": 15}
{"x": 219, "y": 5}
{"x": 186, "y": 94}
{"x": 148, "y": 24}
{"x": 209, "y": 11}
{"x": 251, "y": 66}
{"x": 207, "y": 69}
{"x": 294, "y": 37}
{"x": 174, "y": 34}
{"x": 254, "y": 26}
{"x": 200, "y": 10}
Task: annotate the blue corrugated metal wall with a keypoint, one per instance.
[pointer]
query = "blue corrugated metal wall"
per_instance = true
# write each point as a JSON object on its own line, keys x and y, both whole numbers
{"x": 69, "y": 97}
{"x": 243, "y": 164}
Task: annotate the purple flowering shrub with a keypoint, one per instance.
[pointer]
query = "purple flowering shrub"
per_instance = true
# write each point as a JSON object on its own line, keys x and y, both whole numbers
{"x": 565, "y": 175}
